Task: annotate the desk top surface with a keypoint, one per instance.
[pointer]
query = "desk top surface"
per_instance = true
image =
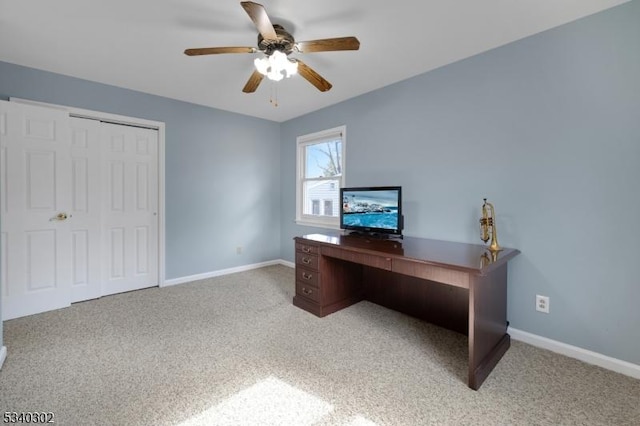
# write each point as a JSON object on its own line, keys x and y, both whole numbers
{"x": 473, "y": 257}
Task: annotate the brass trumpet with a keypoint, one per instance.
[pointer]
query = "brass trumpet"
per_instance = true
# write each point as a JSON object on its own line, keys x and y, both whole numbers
{"x": 488, "y": 224}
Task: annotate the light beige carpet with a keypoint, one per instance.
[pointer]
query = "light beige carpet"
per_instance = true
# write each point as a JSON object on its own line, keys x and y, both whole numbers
{"x": 233, "y": 350}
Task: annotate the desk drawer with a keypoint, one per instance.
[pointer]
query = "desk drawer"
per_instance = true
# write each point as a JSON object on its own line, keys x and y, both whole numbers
{"x": 308, "y": 291}
{"x": 431, "y": 272}
{"x": 307, "y": 276}
{"x": 307, "y": 248}
{"x": 381, "y": 262}
{"x": 305, "y": 260}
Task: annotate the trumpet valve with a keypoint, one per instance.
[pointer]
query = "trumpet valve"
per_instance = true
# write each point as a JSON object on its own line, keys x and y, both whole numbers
{"x": 484, "y": 229}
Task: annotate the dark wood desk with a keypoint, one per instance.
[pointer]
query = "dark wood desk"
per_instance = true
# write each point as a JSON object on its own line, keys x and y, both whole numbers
{"x": 462, "y": 287}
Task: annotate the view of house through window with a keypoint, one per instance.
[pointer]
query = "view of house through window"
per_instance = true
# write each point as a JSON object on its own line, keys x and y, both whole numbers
{"x": 320, "y": 176}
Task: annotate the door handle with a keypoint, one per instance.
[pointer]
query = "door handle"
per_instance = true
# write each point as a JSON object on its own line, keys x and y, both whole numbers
{"x": 60, "y": 216}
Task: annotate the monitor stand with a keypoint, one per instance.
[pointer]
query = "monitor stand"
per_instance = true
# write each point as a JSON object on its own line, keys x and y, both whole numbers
{"x": 375, "y": 235}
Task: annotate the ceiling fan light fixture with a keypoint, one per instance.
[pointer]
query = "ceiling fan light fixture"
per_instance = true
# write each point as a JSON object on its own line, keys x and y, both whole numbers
{"x": 276, "y": 66}
{"x": 262, "y": 65}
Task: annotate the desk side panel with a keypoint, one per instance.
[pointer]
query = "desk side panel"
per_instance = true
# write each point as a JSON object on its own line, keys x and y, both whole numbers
{"x": 341, "y": 283}
{"x": 488, "y": 338}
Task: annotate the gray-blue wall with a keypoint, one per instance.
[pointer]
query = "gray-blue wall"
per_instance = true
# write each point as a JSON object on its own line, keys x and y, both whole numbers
{"x": 548, "y": 129}
{"x": 222, "y": 169}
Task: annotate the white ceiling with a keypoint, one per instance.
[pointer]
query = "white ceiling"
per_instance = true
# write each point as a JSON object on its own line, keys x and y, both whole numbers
{"x": 139, "y": 44}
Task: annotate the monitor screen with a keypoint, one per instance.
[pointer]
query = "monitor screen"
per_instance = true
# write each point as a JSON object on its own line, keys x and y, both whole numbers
{"x": 372, "y": 209}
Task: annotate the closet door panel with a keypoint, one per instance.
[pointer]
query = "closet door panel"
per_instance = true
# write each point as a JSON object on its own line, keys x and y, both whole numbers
{"x": 36, "y": 222}
{"x": 86, "y": 249}
{"x": 130, "y": 200}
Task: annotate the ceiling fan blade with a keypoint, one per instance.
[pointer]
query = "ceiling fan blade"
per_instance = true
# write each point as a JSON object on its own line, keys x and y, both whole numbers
{"x": 259, "y": 16}
{"x": 313, "y": 77}
{"x": 253, "y": 82}
{"x": 328, "y": 45}
{"x": 217, "y": 50}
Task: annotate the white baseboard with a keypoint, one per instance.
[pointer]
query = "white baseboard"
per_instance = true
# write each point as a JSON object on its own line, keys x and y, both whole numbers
{"x": 3, "y": 355}
{"x": 613, "y": 364}
{"x": 182, "y": 280}
{"x": 287, "y": 263}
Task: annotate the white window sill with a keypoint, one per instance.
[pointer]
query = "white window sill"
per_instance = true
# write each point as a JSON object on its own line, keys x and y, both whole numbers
{"x": 318, "y": 224}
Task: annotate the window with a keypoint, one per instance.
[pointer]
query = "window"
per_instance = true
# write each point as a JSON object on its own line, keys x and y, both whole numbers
{"x": 328, "y": 207}
{"x": 320, "y": 172}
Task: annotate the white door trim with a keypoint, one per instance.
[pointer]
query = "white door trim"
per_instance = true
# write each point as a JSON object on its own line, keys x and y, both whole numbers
{"x": 130, "y": 121}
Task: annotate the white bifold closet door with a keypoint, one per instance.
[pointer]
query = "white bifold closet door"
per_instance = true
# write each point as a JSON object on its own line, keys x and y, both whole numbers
{"x": 129, "y": 207}
{"x": 85, "y": 222}
{"x": 35, "y": 169}
{"x": 78, "y": 208}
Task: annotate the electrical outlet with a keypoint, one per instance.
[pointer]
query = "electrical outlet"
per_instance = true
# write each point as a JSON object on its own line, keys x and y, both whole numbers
{"x": 542, "y": 304}
{"x": 239, "y": 250}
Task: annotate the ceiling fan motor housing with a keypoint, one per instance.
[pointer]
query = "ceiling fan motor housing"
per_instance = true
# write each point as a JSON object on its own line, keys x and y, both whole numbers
{"x": 284, "y": 43}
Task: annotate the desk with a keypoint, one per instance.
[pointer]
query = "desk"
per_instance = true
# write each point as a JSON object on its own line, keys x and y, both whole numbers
{"x": 462, "y": 287}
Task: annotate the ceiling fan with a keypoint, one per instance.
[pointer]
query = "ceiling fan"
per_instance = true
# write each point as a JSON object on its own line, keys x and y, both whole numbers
{"x": 276, "y": 43}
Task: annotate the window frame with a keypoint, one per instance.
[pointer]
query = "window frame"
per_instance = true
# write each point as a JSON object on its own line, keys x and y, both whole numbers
{"x": 301, "y": 143}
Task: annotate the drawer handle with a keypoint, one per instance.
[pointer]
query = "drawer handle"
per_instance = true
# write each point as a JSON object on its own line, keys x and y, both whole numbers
{"x": 305, "y": 291}
{"x": 306, "y": 260}
{"x": 306, "y": 249}
{"x": 307, "y": 276}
